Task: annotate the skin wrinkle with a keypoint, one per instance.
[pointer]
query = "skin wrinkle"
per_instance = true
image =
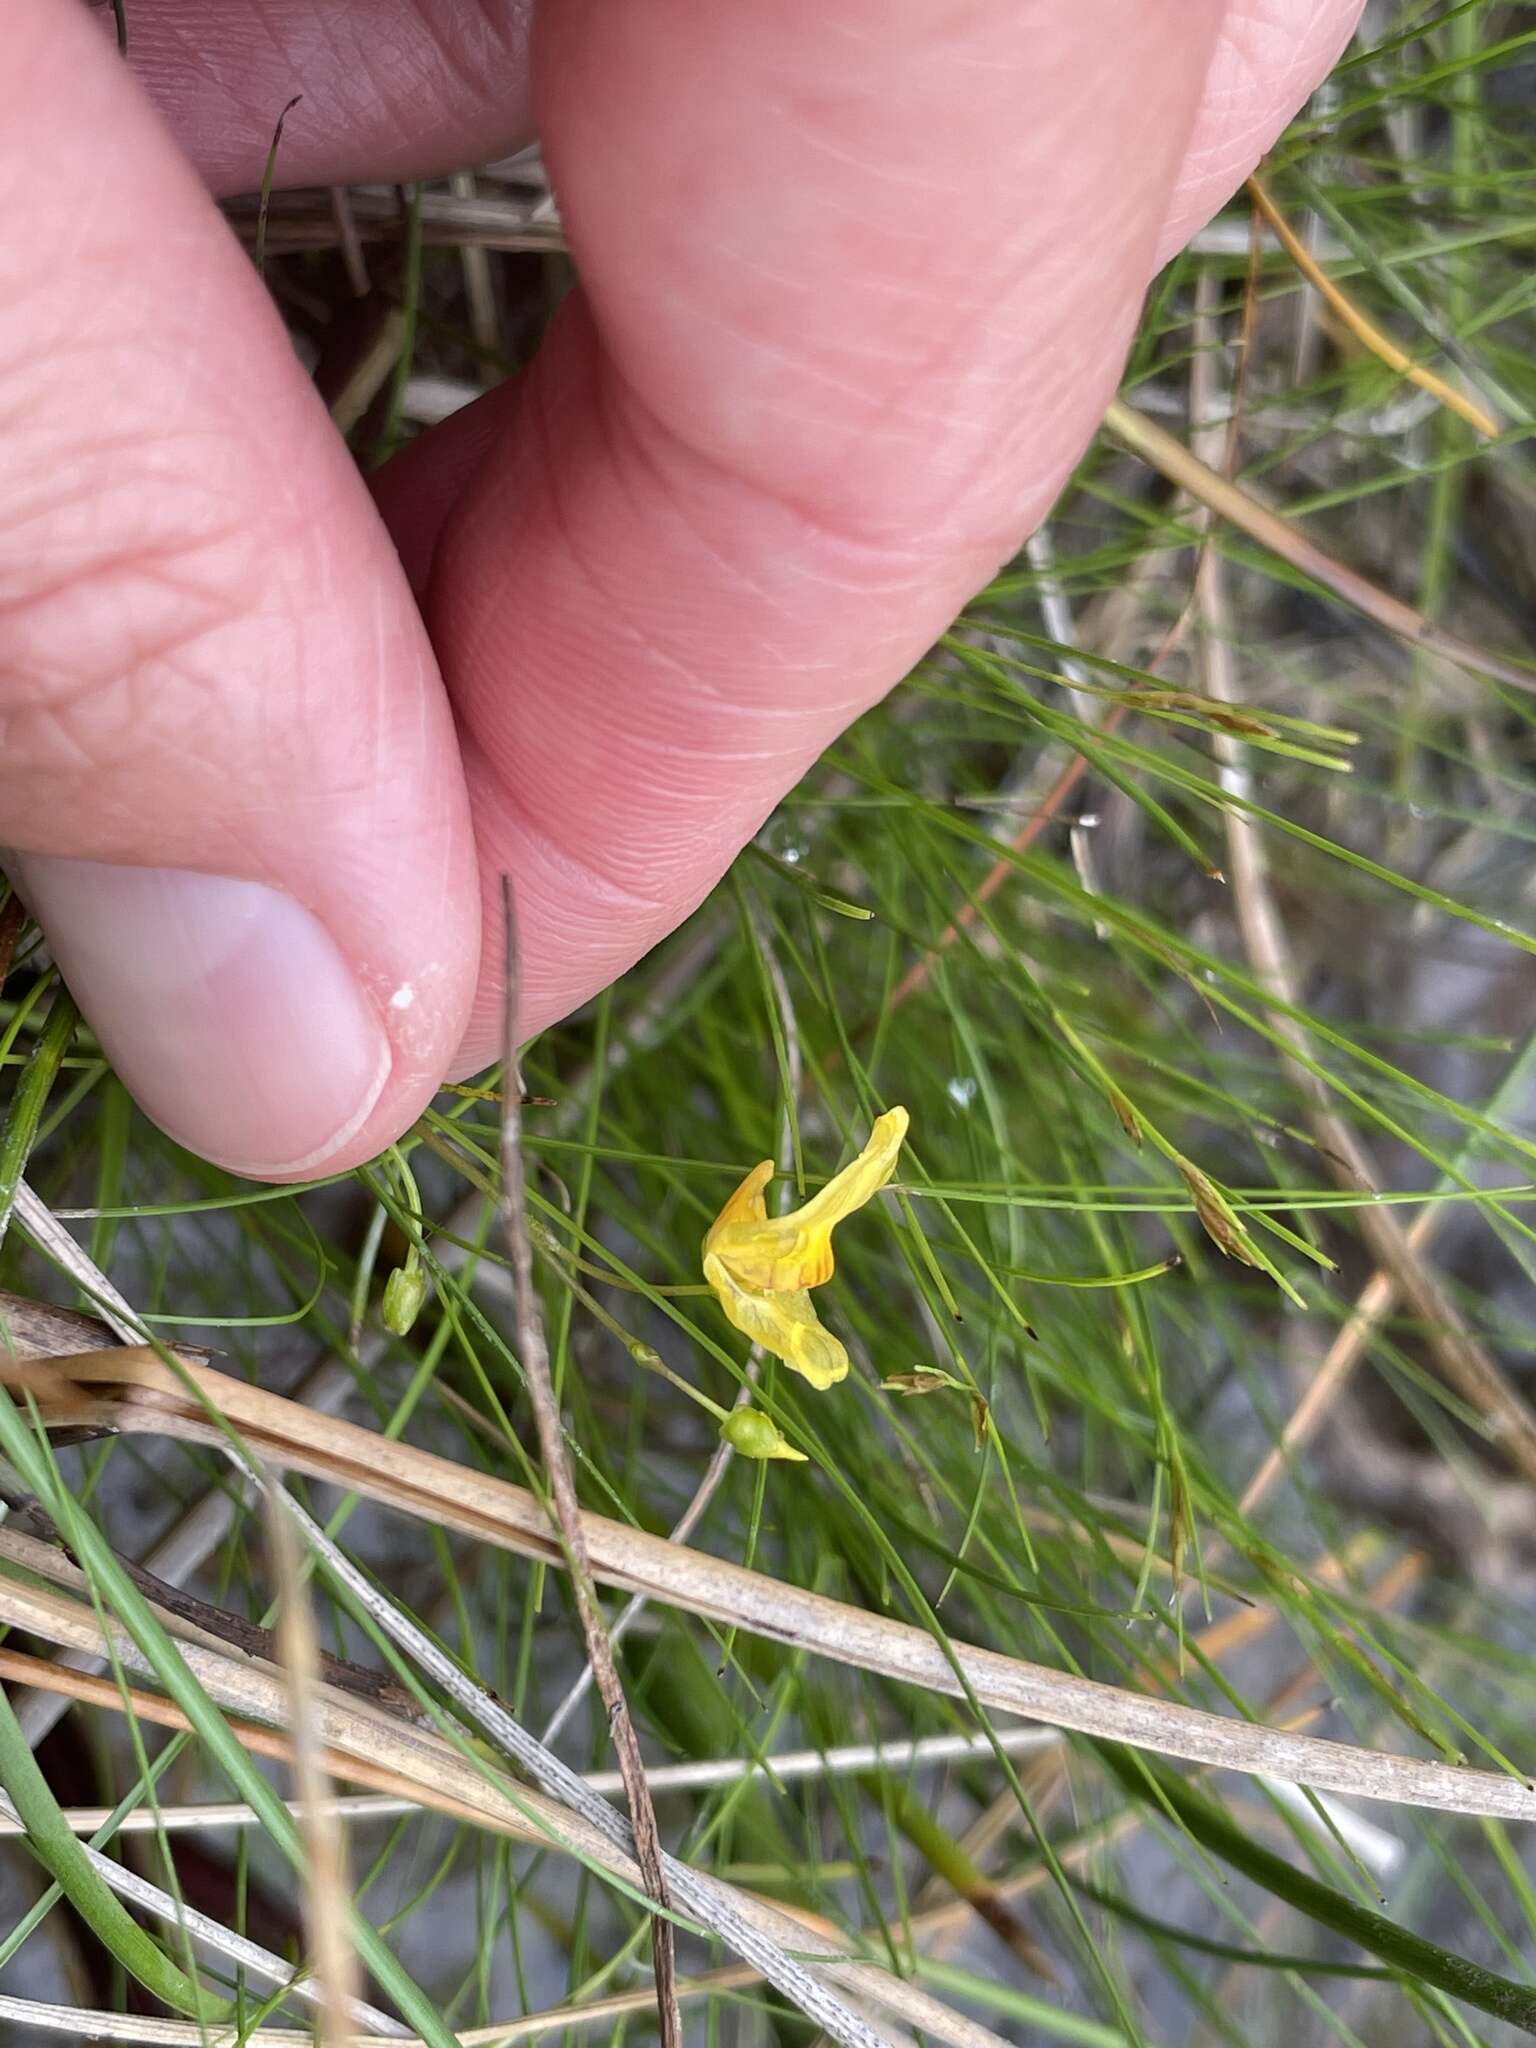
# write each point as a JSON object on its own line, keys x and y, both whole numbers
{"x": 82, "y": 729}
{"x": 125, "y": 656}
{"x": 645, "y": 441}
{"x": 125, "y": 705}
{"x": 583, "y": 892}
{"x": 552, "y": 906}
{"x": 78, "y": 523}
{"x": 964, "y": 252}
{"x": 671, "y": 762}
{"x": 220, "y": 69}
{"x": 765, "y": 600}
{"x": 651, "y": 438}
{"x": 922, "y": 423}
{"x": 1216, "y": 158}
{"x": 473, "y": 61}
{"x": 181, "y": 572}
{"x": 948, "y": 515}
{"x": 674, "y": 752}
{"x": 64, "y": 583}
{"x": 675, "y": 749}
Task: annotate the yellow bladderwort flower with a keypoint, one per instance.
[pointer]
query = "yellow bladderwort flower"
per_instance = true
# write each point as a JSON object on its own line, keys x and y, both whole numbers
{"x": 761, "y": 1268}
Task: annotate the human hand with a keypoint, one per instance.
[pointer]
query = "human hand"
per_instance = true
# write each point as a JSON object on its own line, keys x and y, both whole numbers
{"x": 858, "y": 279}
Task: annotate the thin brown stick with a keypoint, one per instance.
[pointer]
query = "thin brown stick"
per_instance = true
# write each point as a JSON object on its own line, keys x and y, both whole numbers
{"x": 1373, "y": 1304}
{"x": 1051, "y": 804}
{"x": 479, "y": 284}
{"x": 1248, "y": 512}
{"x": 349, "y": 242}
{"x": 565, "y": 1508}
{"x": 369, "y": 1746}
{"x": 1462, "y": 1361}
{"x": 327, "y": 1889}
{"x": 1365, "y": 330}
{"x": 131, "y": 1389}
{"x": 917, "y": 975}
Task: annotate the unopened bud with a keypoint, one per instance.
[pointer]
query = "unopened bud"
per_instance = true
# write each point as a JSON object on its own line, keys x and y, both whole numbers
{"x": 404, "y": 1292}
{"x": 756, "y": 1435}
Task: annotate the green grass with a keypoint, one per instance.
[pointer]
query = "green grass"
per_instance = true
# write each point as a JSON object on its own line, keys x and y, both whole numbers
{"x": 1103, "y": 1094}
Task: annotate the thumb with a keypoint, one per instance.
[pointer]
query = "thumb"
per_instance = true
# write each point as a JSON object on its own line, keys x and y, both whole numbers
{"x": 229, "y": 786}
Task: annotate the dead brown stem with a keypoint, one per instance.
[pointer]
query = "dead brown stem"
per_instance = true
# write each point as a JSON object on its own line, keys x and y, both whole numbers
{"x": 131, "y": 1389}
{"x": 327, "y": 1889}
{"x": 1261, "y": 522}
{"x": 1463, "y": 1362}
{"x": 565, "y": 1509}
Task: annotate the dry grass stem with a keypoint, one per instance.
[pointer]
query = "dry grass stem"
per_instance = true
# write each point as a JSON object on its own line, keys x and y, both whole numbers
{"x": 306, "y": 220}
{"x": 1462, "y": 1360}
{"x": 1261, "y": 522}
{"x": 366, "y": 1743}
{"x": 565, "y": 1510}
{"x": 84, "y": 2025}
{"x": 131, "y": 1390}
{"x": 1373, "y": 1305}
{"x": 327, "y": 1884}
{"x": 713, "y": 1904}
{"x": 1364, "y": 330}
{"x": 348, "y": 241}
{"x": 705, "y": 1774}
{"x": 722, "y": 1456}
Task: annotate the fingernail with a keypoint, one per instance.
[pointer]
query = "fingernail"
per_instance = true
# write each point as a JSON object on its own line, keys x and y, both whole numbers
{"x": 226, "y": 1008}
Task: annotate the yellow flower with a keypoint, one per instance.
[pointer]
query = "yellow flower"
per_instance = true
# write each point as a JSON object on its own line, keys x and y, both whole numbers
{"x": 761, "y": 1269}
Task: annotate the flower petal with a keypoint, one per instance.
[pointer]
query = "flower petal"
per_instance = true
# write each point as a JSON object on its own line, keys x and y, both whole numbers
{"x": 785, "y": 1324}
{"x": 795, "y": 1251}
{"x": 777, "y": 1257}
{"x": 746, "y": 1206}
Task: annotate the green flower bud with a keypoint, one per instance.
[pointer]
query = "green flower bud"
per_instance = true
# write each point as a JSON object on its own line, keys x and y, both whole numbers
{"x": 756, "y": 1435}
{"x": 404, "y": 1292}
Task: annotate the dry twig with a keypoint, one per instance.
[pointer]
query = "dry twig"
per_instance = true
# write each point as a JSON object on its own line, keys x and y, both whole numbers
{"x": 1379, "y": 344}
{"x": 1247, "y": 511}
{"x": 130, "y": 1389}
{"x": 565, "y": 1509}
{"x": 368, "y": 1745}
{"x": 1462, "y": 1360}
{"x": 327, "y": 1890}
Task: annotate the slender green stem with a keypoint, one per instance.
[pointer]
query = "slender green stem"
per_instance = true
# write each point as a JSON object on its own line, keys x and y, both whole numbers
{"x": 30, "y": 1098}
{"x": 54, "y": 1843}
